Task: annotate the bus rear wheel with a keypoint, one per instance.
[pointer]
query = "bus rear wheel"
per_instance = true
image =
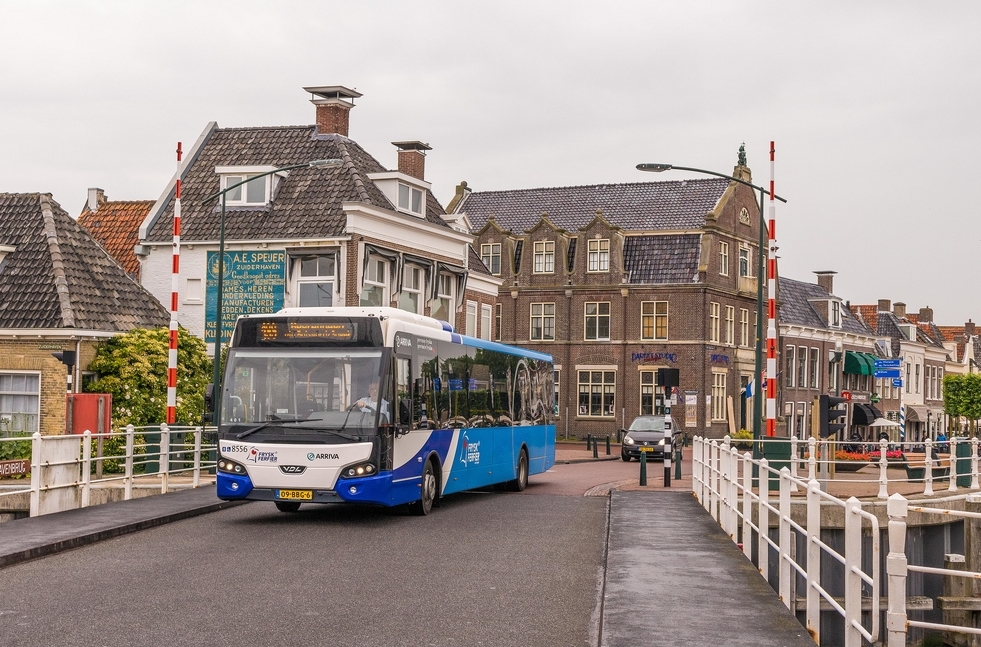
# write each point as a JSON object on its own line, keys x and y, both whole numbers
{"x": 427, "y": 492}
{"x": 521, "y": 482}
{"x": 287, "y": 506}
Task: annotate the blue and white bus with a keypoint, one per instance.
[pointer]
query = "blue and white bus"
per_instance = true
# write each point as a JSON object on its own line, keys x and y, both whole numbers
{"x": 450, "y": 412}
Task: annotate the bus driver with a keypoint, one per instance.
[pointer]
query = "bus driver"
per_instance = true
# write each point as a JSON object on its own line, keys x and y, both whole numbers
{"x": 369, "y": 403}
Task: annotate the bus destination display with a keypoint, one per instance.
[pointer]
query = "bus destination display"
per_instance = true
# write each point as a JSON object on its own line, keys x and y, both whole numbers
{"x": 271, "y": 331}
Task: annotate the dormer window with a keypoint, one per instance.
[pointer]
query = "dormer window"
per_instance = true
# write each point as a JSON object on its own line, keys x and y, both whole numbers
{"x": 410, "y": 199}
{"x": 834, "y": 311}
{"x": 253, "y": 193}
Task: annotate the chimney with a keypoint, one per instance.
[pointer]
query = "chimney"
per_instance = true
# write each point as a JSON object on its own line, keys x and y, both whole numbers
{"x": 899, "y": 309}
{"x": 969, "y": 327}
{"x": 884, "y": 305}
{"x": 334, "y": 103}
{"x": 412, "y": 158}
{"x": 926, "y": 315}
{"x": 97, "y": 197}
{"x": 826, "y": 279}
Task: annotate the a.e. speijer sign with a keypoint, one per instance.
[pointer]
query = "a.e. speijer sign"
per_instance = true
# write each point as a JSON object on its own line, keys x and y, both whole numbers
{"x": 254, "y": 283}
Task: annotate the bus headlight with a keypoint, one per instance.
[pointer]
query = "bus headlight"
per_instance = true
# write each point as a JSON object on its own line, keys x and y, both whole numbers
{"x": 230, "y": 466}
{"x": 361, "y": 469}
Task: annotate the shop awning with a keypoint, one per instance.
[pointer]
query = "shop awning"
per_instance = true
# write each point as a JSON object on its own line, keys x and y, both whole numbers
{"x": 916, "y": 413}
{"x": 859, "y": 363}
{"x": 864, "y": 414}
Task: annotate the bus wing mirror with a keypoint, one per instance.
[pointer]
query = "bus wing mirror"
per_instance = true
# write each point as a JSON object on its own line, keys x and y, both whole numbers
{"x": 209, "y": 399}
{"x": 405, "y": 412}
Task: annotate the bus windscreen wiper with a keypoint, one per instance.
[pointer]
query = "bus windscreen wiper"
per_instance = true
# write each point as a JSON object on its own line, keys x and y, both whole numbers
{"x": 269, "y": 423}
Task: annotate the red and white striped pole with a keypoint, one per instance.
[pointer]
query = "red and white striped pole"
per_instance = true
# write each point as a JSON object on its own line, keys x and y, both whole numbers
{"x": 771, "y": 325}
{"x": 175, "y": 276}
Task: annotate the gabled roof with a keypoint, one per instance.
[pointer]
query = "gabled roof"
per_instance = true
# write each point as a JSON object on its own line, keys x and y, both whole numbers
{"x": 796, "y": 301}
{"x": 59, "y": 277}
{"x": 115, "y": 225}
{"x": 642, "y": 206}
{"x": 307, "y": 203}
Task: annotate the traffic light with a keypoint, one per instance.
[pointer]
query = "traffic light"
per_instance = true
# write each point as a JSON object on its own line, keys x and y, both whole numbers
{"x": 66, "y": 357}
{"x": 831, "y": 418}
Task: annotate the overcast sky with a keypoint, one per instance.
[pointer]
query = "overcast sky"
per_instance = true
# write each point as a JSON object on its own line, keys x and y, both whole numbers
{"x": 873, "y": 106}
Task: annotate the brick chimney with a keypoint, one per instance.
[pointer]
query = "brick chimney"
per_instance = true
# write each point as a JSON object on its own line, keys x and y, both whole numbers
{"x": 826, "y": 279}
{"x": 899, "y": 309}
{"x": 412, "y": 158}
{"x": 969, "y": 327}
{"x": 884, "y": 305}
{"x": 926, "y": 315}
{"x": 334, "y": 103}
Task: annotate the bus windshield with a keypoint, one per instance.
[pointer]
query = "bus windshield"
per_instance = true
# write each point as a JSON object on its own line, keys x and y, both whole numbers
{"x": 325, "y": 388}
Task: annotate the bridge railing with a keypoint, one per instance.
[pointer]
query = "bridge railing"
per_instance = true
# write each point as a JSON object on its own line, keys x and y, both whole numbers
{"x": 753, "y": 501}
{"x": 64, "y": 470}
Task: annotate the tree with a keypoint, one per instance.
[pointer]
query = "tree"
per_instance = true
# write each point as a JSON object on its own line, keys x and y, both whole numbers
{"x": 962, "y": 397}
{"x": 133, "y": 368}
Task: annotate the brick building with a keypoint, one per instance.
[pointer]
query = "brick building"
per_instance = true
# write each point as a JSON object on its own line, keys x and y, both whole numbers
{"x": 351, "y": 232}
{"x": 59, "y": 291}
{"x": 616, "y": 281}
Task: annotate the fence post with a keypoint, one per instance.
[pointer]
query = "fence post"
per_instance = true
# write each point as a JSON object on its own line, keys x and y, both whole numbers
{"x": 898, "y": 510}
{"x": 928, "y": 467}
{"x": 763, "y": 520}
{"x": 883, "y": 466}
{"x": 813, "y": 577}
{"x": 794, "y": 457}
{"x": 35, "y": 474}
{"x": 197, "y": 456}
{"x": 784, "y": 570}
{"x": 974, "y": 464}
{"x": 129, "y": 462}
{"x": 853, "y": 566}
{"x": 164, "y": 459}
{"x": 86, "y": 468}
{"x": 952, "y": 485}
{"x": 747, "y": 505}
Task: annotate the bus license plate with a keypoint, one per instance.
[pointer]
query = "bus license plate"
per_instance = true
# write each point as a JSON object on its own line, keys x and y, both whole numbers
{"x": 302, "y": 495}
{"x": 646, "y": 449}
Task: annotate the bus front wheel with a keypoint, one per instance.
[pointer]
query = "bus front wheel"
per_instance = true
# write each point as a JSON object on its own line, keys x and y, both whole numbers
{"x": 427, "y": 493}
{"x": 521, "y": 482}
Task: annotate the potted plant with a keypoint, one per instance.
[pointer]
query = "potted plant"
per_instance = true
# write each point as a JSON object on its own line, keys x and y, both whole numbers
{"x": 850, "y": 461}
{"x": 742, "y": 439}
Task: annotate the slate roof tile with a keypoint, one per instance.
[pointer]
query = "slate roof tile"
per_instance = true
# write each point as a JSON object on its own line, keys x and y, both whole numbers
{"x": 59, "y": 277}
{"x": 795, "y": 303}
{"x": 662, "y": 259}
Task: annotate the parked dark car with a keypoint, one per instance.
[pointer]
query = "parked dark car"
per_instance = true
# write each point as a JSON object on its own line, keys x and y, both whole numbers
{"x": 646, "y": 434}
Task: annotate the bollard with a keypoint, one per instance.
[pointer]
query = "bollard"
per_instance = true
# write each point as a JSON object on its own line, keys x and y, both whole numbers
{"x": 677, "y": 461}
{"x": 596, "y": 448}
{"x": 589, "y": 441}
{"x": 643, "y": 468}
{"x": 607, "y": 444}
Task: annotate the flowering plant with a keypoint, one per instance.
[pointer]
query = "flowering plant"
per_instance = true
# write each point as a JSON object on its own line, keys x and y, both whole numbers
{"x": 890, "y": 454}
{"x": 842, "y": 455}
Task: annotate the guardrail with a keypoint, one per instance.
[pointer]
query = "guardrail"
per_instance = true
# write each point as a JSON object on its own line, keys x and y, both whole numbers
{"x": 64, "y": 469}
{"x": 736, "y": 490}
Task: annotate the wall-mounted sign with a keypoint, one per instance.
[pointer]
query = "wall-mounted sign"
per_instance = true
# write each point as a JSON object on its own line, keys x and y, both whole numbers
{"x": 254, "y": 283}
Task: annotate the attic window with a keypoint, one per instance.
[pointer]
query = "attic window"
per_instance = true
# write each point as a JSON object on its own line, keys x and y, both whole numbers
{"x": 834, "y": 314}
{"x": 257, "y": 192}
{"x": 410, "y": 199}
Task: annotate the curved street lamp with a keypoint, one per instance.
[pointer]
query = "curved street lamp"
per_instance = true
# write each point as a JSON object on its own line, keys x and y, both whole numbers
{"x": 223, "y": 194}
{"x": 757, "y": 400}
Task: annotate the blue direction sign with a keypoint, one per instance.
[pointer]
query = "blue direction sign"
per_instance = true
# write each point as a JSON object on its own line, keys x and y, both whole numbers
{"x": 893, "y": 373}
{"x": 897, "y": 383}
{"x": 888, "y": 363}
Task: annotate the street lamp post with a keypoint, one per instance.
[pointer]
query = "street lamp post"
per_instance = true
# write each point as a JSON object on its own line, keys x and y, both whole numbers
{"x": 758, "y": 368}
{"x": 328, "y": 163}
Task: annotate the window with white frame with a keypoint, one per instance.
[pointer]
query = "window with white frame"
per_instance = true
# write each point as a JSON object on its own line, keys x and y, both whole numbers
{"x": 490, "y": 255}
{"x": 598, "y": 255}
{"x": 730, "y": 325}
{"x": 744, "y": 264}
{"x": 814, "y": 365}
{"x": 252, "y": 193}
{"x": 544, "y": 252}
{"x": 714, "y": 323}
{"x": 315, "y": 281}
{"x": 917, "y": 382}
{"x": 654, "y": 320}
{"x": 724, "y": 259}
{"x": 486, "y": 315}
{"x": 542, "y": 321}
{"x": 802, "y": 367}
{"x": 471, "y": 322}
{"x": 743, "y": 327}
{"x": 497, "y": 322}
{"x": 374, "y": 292}
{"x": 596, "y": 393}
{"x": 718, "y": 396}
{"x": 556, "y": 377}
{"x": 597, "y": 321}
{"x": 20, "y": 402}
{"x": 835, "y": 314}
{"x": 413, "y": 286}
{"x": 790, "y": 365}
{"x": 410, "y": 199}
{"x": 443, "y": 307}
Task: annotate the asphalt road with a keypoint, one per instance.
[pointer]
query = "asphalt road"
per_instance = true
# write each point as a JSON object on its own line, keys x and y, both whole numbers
{"x": 491, "y": 569}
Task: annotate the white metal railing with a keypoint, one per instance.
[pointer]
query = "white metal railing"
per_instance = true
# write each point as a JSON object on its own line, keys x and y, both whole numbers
{"x": 65, "y": 469}
{"x": 724, "y": 482}
{"x": 735, "y": 489}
